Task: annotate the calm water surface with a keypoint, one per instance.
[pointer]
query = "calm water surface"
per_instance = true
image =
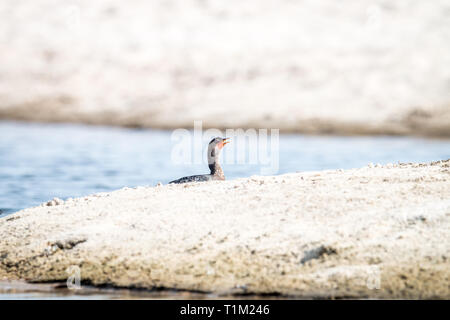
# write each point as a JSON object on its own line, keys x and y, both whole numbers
{"x": 41, "y": 161}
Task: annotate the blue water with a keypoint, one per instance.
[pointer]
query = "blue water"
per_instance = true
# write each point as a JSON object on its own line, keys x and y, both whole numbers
{"x": 41, "y": 161}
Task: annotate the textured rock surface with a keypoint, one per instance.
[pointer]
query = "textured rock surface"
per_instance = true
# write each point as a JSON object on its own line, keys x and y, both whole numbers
{"x": 359, "y": 67}
{"x": 378, "y": 231}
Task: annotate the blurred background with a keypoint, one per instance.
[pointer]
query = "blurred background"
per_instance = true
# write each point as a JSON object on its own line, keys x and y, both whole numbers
{"x": 346, "y": 82}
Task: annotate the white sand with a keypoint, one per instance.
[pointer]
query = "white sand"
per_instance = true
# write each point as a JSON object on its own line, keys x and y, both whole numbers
{"x": 358, "y": 67}
{"x": 380, "y": 232}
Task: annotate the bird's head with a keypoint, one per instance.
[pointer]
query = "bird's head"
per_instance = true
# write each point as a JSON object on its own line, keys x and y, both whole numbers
{"x": 214, "y": 148}
{"x": 218, "y": 143}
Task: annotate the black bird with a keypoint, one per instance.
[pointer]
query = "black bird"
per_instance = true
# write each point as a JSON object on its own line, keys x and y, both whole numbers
{"x": 214, "y": 148}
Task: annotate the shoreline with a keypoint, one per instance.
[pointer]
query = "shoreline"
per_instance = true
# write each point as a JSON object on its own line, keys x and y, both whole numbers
{"x": 372, "y": 232}
{"x": 325, "y": 129}
{"x": 52, "y": 290}
{"x": 192, "y": 61}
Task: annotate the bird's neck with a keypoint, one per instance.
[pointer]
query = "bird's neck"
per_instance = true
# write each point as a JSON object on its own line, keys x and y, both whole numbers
{"x": 214, "y": 164}
{"x": 216, "y": 170}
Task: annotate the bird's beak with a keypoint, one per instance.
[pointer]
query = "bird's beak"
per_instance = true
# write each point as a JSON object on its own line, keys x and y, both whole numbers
{"x": 225, "y": 141}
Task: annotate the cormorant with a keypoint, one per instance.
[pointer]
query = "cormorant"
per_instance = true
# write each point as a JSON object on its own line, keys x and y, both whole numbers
{"x": 214, "y": 148}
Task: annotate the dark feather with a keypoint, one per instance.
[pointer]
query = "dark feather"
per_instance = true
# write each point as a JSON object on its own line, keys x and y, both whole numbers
{"x": 197, "y": 178}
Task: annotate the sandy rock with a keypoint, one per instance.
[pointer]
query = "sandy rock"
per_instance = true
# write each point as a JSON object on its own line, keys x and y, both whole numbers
{"x": 353, "y": 67}
{"x": 370, "y": 232}
{"x": 54, "y": 202}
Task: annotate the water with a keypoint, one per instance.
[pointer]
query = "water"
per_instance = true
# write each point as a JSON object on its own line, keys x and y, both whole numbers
{"x": 41, "y": 161}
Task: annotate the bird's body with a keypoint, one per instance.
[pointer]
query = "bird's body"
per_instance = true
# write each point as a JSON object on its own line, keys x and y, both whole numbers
{"x": 197, "y": 178}
{"x": 214, "y": 148}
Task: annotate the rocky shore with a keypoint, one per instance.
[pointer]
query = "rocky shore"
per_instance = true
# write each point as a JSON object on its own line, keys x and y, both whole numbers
{"x": 359, "y": 67}
{"x": 373, "y": 232}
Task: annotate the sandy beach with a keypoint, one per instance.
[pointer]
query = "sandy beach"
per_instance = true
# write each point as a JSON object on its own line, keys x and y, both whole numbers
{"x": 359, "y": 67}
{"x": 372, "y": 232}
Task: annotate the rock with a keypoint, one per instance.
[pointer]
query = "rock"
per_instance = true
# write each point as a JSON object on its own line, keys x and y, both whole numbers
{"x": 334, "y": 90}
{"x": 54, "y": 202}
{"x": 381, "y": 234}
